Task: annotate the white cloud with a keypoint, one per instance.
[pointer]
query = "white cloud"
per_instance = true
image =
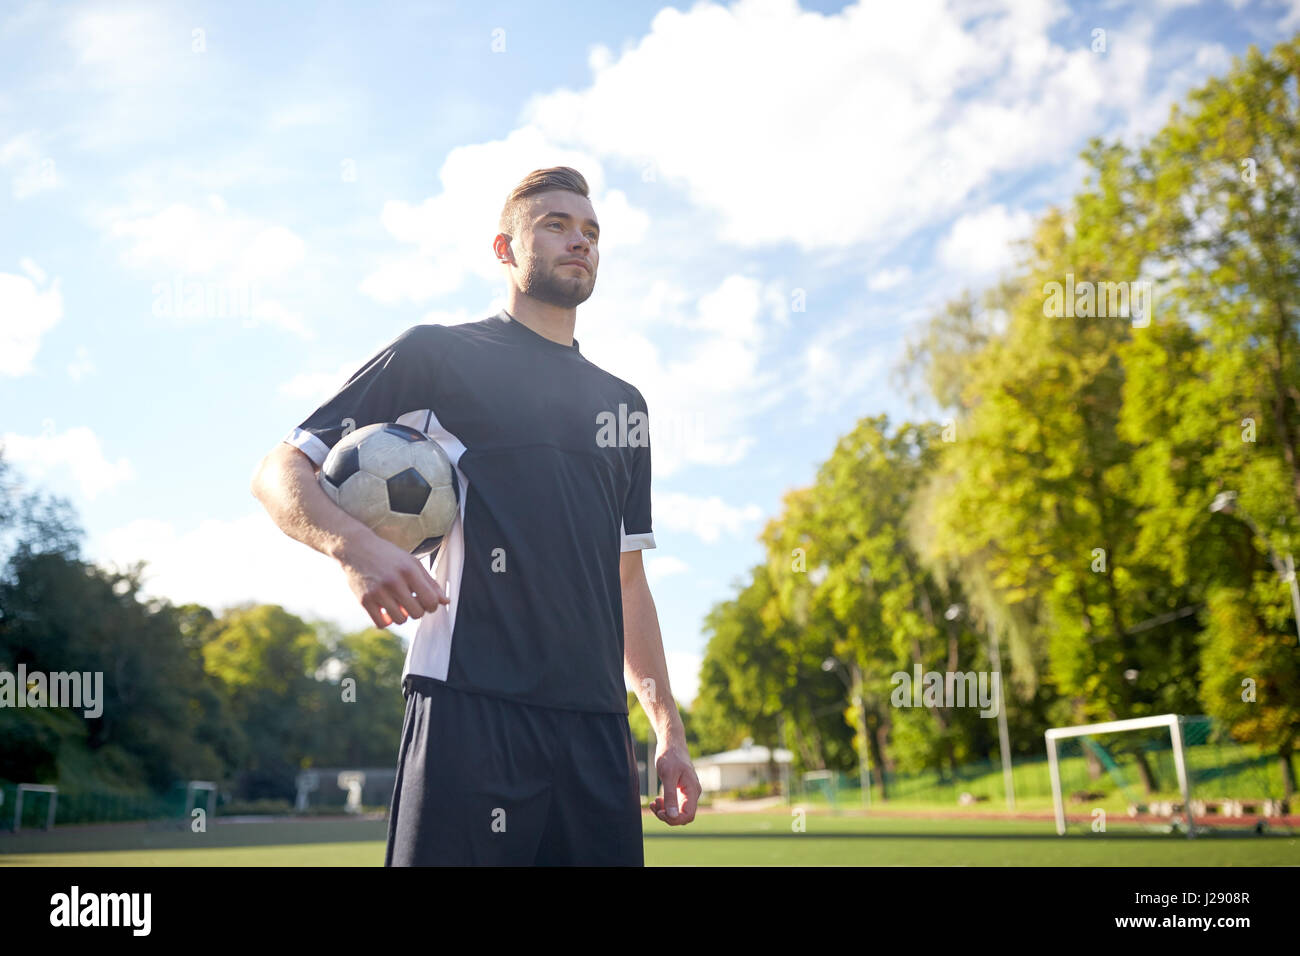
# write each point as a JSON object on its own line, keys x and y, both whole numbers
{"x": 888, "y": 278}
{"x": 27, "y": 312}
{"x": 308, "y": 113}
{"x": 834, "y": 371}
{"x": 269, "y": 312}
{"x": 1291, "y": 21}
{"x": 684, "y": 675}
{"x": 220, "y": 563}
{"x": 30, "y": 14}
{"x": 76, "y": 453}
{"x": 662, "y": 567}
{"x": 707, "y": 393}
{"x": 706, "y": 518}
{"x": 203, "y": 241}
{"x": 212, "y": 262}
{"x": 121, "y": 46}
{"x": 318, "y": 386}
{"x": 126, "y": 62}
{"x": 34, "y": 271}
{"x": 1213, "y": 58}
{"x": 450, "y": 234}
{"x": 982, "y": 244}
{"x": 1194, "y": 63}
{"x": 33, "y": 172}
{"x": 412, "y": 278}
{"x": 227, "y": 167}
{"x": 899, "y": 89}
{"x": 81, "y": 365}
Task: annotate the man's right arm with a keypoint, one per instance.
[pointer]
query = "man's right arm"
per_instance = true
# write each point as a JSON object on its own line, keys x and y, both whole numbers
{"x": 391, "y": 584}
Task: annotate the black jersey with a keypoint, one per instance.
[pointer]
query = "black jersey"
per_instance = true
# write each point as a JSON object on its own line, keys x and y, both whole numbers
{"x": 553, "y": 459}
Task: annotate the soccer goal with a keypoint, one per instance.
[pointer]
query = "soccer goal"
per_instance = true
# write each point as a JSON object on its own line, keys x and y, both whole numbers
{"x": 53, "y": 794}
{"x": 192, "y": 790}
{"x": 1088, "y": 736}
{"x": 821, "y": 780}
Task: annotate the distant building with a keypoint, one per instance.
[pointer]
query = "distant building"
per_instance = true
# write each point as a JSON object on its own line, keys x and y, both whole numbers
{"x": 733, "y": 769}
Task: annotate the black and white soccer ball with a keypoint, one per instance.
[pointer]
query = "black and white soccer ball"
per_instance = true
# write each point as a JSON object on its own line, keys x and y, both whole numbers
{"x": 396, "y": 481}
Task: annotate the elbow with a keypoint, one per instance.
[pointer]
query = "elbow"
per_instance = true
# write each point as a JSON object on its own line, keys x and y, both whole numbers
{"x": 255, "y": 483}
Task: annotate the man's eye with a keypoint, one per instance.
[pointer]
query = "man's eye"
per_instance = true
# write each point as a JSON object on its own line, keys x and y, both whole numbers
{"x": 590, "y": 235}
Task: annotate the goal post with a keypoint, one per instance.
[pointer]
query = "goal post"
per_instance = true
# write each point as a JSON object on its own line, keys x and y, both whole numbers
{"x": 192, "y": 790}
{"x": 817, "y": 776}
{"x": 53, "y": 802}
{"x": 1171, "y": 721}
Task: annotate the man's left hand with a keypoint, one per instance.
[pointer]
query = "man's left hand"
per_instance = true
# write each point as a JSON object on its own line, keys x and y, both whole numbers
{"x": 673, "y": 764}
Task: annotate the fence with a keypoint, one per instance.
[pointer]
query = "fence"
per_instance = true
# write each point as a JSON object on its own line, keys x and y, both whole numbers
{"x": 82, "y": 806}
{"x": 1103, "y": 771}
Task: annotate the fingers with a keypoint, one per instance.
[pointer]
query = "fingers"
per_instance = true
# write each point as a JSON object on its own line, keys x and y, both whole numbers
{"x": 657, "y": 808}
{"x": 428, "y": 596}
{"x": 670, "y": 795}
{"x": 391, "y": 599}
{"x": 667, "y": 807}
{"x": 690, "y": 785}
{"x": 404, "y": 592}
{"x": 377, "y": 613}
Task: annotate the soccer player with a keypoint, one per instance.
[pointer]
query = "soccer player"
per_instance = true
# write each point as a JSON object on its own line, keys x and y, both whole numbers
{"x": 515, "y": 746}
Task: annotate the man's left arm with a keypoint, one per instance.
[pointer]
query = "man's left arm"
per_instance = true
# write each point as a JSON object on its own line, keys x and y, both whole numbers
{"x": 646, "y": 670}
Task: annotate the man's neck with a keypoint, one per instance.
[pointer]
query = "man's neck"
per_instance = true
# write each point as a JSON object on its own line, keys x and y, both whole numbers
{"x": 549, "y": 321}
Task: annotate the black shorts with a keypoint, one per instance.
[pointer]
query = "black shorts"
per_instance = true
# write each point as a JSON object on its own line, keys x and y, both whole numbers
{"x": 486, "y": 781}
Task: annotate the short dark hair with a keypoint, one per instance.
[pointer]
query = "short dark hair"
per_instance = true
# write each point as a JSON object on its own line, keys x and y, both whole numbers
{"x": 538, "y": 181}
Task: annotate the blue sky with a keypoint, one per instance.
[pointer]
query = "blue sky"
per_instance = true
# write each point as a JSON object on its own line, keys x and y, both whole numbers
{"x": 784, "y": 192}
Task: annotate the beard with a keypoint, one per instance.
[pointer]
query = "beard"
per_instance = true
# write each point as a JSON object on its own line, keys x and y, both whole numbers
{"x": 547, "y": 284}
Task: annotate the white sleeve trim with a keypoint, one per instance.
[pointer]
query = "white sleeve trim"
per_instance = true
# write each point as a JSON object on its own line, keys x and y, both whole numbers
{"x": 309, "y": 444}
{"x": 635, "y": 542}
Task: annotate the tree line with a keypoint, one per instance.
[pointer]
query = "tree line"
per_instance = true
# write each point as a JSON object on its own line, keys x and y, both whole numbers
{"x": 248, "y": 697}
{"x": 1109, "y": 486}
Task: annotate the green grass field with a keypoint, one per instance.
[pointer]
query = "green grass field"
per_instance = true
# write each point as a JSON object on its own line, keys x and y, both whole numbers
{"x": 714, "y": 839}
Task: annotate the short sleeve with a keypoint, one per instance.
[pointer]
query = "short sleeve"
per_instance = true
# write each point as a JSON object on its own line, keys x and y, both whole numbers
{"x": 637, "y": 532}
{"x": 395, "y": 382}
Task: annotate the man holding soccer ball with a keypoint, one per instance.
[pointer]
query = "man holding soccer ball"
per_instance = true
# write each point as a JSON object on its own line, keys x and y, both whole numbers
{"x": 515, "y": 746}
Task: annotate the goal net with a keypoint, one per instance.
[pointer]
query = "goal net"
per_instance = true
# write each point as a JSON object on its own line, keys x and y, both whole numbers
{"x": 1169, "y": 771}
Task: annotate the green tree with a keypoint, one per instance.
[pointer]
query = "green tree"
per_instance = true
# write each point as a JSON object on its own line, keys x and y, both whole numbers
{"x": 266, "y": 661}
{"x": 1215, "y": 394}
{"x": 60, "y": 614}
{"x": 362, "y": 706}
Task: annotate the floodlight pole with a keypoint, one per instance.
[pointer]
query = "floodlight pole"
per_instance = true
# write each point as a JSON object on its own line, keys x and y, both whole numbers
{"x": 833, "y": 663}
{"x": 1295, "y": 591}
{"x": 1004, "y": 742}
{"x": 864, "y": 762}
{"x": 786, "y": 779}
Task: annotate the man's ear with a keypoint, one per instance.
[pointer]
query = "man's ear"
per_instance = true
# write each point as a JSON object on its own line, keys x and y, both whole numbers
{"x": 502, "y": 248}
